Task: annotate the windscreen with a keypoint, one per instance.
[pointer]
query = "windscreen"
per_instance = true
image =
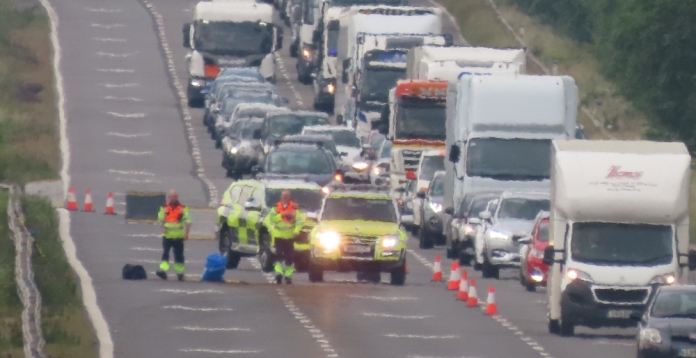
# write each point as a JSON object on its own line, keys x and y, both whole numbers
{"x": 421, "y": 119}
{"x": 231, "y": 103}
{"x": 290, "y": 124}
{"x": 308, "y": 200}
{"x": 340, "y": 137}
{"x": 509, "y": 159}
{"x": 376, "y": 83}
{"x": 479, "y": 205}
{"x": 386, "y": 150}
{"x": 332, "y": 42}
{"x": 431, "y": 164}
{"x": 543, "y": 232}
{"x": 675, "y": 304}
{"x": 359, "y": 209}
{"x": 522, "y": 208}
{"x": 438, "y": 187}
{"x": 622, "y": 244}
{"x": 293, "y": 162}
{"x": 249, "y": 128}
{"x": 233, "y": 38}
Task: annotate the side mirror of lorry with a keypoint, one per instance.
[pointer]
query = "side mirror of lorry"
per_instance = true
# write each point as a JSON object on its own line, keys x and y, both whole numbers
{"x": 548, "y": 255}
{"x": 449, "y": 211}
{"x": 455, "y": 153}
{"x": 187, "y": 35}
{"x": 692, "y": 260}
{"x": 257, "y": 134}
{"x": 339, "y": 120}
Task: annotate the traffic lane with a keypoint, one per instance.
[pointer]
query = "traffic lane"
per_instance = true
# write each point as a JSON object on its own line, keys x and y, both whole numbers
{"x": 419, "y": 319}
{"x": 527, "y": 312}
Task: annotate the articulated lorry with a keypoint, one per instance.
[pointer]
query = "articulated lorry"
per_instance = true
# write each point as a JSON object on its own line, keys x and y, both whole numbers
{"x": 229, "y": 34}
{"x": 619, "y": 228}
{"x": 451, "y": 63}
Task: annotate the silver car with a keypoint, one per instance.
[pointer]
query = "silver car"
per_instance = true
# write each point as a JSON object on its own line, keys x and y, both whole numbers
{"x": 461, "y": 231}
{"x": 432, "y": 215}
{"x": 513, "y": 220}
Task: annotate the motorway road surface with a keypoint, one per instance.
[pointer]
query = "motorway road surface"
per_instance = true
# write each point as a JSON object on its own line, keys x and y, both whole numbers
{"x": 127, "y": 131}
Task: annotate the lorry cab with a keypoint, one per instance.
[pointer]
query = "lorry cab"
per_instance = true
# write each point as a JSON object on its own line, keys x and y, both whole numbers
{"x": 619, "y": 229}
{"x": 229, "y": 34}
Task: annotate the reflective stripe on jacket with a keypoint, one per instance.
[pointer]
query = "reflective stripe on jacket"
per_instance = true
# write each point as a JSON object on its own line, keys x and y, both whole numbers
{"x": 174, "y": 219}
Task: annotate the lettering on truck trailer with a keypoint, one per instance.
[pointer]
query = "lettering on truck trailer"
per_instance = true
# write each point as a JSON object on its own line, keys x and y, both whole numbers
{"x": 618, "y": 180}
{"x": 473, "y": 74}
{"x": 615, "y": 173}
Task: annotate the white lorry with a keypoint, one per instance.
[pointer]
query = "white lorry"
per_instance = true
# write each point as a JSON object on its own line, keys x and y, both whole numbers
{"x": 619, "y": 229}
{"x": 229, "y": 34}
{"x": 451, "y": 63}
{"x": 375, "y": 20}
{"x": 499, "y": 132}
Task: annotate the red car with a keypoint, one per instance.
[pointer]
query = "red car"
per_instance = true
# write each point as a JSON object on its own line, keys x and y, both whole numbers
{"x": 533, "y": 272}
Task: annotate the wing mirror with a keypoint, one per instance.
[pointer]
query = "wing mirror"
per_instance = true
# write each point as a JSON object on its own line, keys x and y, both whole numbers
{"x": 449, "y": 211}
{"x": 187, "y": 35}
{"x": 485, "y": 215}
{"x": 421, "y": 195}
{"x": 548, "y": 255}
{"x": 455, "y": 153}
{"x": 692, "y": 260}
{"x": 339, "y": 120}
{"x": 215, "y": 111}
{"x": 257, "y": 134}
{"x": 525, "y": 240}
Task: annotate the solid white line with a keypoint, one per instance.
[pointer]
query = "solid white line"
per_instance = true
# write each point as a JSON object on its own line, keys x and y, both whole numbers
{"x": 128, "y": 152}
{"x": 108, "y": 39}
{"x": 213, "y": 329}
{"x": 385, "y": 315}
{"x": 127, "y": 135}
{"x": 131, "y": 172}
{"x": 120, "y": 85}
{"x": 103, "y": 10}
{"x": 89, "y": 295}
{"x": 115, "y": 55}
{"x": 131, "y": 180}
{"x": 115, "y": 70}
{"x": 132, "y": 99}
{"x": 418, "y": 336}
{"x": 203, "y": 350}
{"x": 109, "y": 26}
{"x": 198, "y": 309}
{"x": 385, "y": 299}
{"x": 146, "y": 235}
{"x": 126, "y": 115}
{"x": 145, "y": 249}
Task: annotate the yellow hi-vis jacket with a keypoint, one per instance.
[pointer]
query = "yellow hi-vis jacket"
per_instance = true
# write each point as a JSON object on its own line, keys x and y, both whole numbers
{"x": 174, "y": 220}
{"x": 283, "y": 228}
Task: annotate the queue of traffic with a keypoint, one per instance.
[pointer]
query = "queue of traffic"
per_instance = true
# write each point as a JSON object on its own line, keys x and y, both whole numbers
{"x": 456, "y": 144}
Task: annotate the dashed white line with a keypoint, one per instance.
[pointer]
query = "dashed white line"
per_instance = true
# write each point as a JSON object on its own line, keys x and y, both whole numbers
{"x": 198, "y": 309}
{"x": 108, "y": 39}
{"x": 233, "y": 351}
{"x": 131, "y": 172}
{"x": 418, "y": 336}
{"x": 188, "y": 292}
{"x": 116, "y": 55}
{"x": 131, "y": 99}
{"x": 386, "y": 315}
{"x": 145, "y": 235}
{"x": 126, "y": 115}
{"x": 108, "y": 26}
{"x": 130, "y": 152}
{"x": 385, "y": 298}
{"x": 144, "y": 181}
{"x": 212, "y": 329}
{"x": 116, "y": 70}
{"x": 103, "y": 10}
{"x": 128, "y": 135}
{"x": 120, "y": 85}
{"x": 139, "y": 248}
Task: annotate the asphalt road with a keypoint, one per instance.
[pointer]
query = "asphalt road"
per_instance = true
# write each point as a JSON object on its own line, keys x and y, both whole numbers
{"x": 128, "y": 132}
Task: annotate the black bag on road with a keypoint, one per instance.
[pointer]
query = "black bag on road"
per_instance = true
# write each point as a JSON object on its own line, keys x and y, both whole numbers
{"x": 134, "y": 272}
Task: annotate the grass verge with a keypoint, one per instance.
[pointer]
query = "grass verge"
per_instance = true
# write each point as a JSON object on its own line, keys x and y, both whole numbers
{"x": 10, "y": 306}
{"x": 65, "y": 323}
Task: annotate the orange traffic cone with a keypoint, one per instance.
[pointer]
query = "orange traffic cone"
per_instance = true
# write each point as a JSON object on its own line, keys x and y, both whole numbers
{"x": 110, "y": 204}
{"x": 88, "y": 201}
{"x": 463, "y": 294}
{"x": 472, "y": 301}
{"x": 491, "y": 307}
{"x": 454, "y": 278}
{"x": 72, "y": 203}
{"x": 437, "y": 270}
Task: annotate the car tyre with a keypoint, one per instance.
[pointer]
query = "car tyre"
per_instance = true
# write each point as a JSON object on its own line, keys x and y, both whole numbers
{"x": 554, "y": 326}
{"x": 294, "y": 48}
{"x": 233, "y": 259}
{"x": 315, "y": 272}
{"x": 567, "y": 326}
{"x": 424, "y": 241}
{"x": 398, "y": 275}
{"x": 452, "y": 251}
{"x": 489, "y": 270}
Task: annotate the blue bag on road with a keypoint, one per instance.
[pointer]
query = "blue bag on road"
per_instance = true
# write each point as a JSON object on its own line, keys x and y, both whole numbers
{"x": 214, "y": 268}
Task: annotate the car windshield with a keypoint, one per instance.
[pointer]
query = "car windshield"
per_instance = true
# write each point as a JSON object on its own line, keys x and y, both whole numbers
{"x": 289, "y": 124}
{"x": 437, "y": 187}
{"x": 233, "y": 38}
{"x": 479, "y": 205}
{"x": 622, "y": 244}
{"x": 431, "y": 164}
{"x": 522, "y": 208}
{"x": 376, "y": 83}
{"x": 421, "y": 119}
{"x": 328, "y": 144}
{"x": 249, "y": 128}
{"x": 231, "y": 103}
{"x": 297, "y": 162}
{"x": 236, "y": 91}
{"x": 543, "y": 232}
{"x": 386, "y": 150}
{"x": 309, "y": 200}
{"x": 509, "y": 159}
{"x": 674, "y": 304}
{"x": 332, "y": 43}
{"x": 245, "y": 72}
{"x": 340, "y": 137}
{"x": 359, "y": 209}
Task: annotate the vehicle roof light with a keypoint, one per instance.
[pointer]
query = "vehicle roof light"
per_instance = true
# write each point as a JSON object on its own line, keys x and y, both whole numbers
{"x": 425, "y": 89}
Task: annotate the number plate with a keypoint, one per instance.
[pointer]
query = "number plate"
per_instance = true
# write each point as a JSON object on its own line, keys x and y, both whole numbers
{"x": 690, "y": 352}
{"x": 619, "y": 313}
{"x": 356, "y": 249}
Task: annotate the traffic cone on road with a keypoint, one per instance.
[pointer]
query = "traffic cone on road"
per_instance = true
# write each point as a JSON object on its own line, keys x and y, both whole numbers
{"x": 463, "y": 294}
{"x": 472, "y": 301}
{"x": 110, "y": 205}
{"x": 88, "y": 201}
{"x": 491, "y": 307}
{"x": 72, "y": 203}
{"x": 437, "y": 270}
{"x": 454, "y": 278}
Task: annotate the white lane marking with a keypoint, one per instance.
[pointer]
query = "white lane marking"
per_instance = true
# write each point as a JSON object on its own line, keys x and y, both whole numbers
{"x": 145, "y": 181}
{"x": 116, "y": 70}
{"x": 144, "y": 249}
{"x": 297, "y": 313}
{"x": 116, "y": 55}
{"x": 233, "y": 351}
{"x": 606, "y": 342}
{"x": 191, "y": 275}
{"x": 183, "y": 104}
{"x": 198, "y": 309}
{"x": 420, "y": 258}
{"x": 385, "y": 298}
{"x": 418, "y": 336}
{"x": 145, "y": 235}
{"x": 188, "y": 292}
{"x": 386, "y": 315}
{"x": 108, "y": 26}
{"x": 126, "y": 115}
{"x": 108, "y": 39}
{"x": 213, "y": 329}
{"x": 132, "y": 99}
{"x": 281, "y": 65}
{"x": 89, "y": 295}
{"x": 103, "y": 10}
{"x": 120, "y": 85}
{"x": 131, "y": 172}
{"x": 129, "y": 152}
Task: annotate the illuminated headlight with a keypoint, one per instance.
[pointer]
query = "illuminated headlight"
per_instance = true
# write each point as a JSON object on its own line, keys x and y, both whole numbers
{"x": 469, "y": 230}
{"x": 325, "y": 190}
{"x": 537, "y": 254}
{"x": 360, "y": 166}
{"x": 435, "y": 207}
{"x": 498, "y": 235}
{"x": 667, "y": 279}
{"x": 537, "y": 275}
{"x": 330, "y": 88}
{"x": 573, "y": 274}
{"x": 197, "y": 83}
{"x": 307, "y": 54}
{"x": 265, "y": 149}
{"x": 390, "y": 241}
{"x": 650, "y": 336}
{"x": 328, "y": 239}
{"x": 234, "y": 150}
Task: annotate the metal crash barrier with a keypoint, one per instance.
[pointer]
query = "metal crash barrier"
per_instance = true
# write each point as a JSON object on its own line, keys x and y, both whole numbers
{"x": 144, "y": 206}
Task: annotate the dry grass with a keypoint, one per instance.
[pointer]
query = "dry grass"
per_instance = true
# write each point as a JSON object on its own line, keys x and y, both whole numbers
{"x": 10, "y": 305}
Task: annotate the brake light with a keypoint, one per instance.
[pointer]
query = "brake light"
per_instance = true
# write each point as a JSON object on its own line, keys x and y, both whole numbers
{"x": 211, "y": 71}
{"x": 426, "y": 89}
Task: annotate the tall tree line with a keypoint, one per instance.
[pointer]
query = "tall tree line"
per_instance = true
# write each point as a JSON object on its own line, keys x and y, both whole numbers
{"x": 646, "y": 47}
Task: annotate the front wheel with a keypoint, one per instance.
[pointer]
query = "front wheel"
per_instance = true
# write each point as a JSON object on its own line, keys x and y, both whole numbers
{"x": 489, "y": 270}
{"x": 398, "y": 275}
{"x": 315, "y": 272}
{"x": 424, "y": 240}
{"x": 233, "y": 259}
{"x": 554, "y": 326}
{"x": 567, "y": 326}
